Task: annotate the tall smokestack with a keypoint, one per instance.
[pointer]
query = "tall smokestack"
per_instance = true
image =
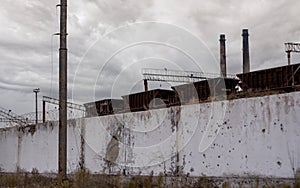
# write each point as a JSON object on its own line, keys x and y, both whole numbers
{"x": 222, "y": 55}
{"x": 246, "y": 58}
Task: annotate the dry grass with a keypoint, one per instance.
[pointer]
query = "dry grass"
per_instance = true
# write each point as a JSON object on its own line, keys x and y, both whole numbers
{"x": 84, "y": 179}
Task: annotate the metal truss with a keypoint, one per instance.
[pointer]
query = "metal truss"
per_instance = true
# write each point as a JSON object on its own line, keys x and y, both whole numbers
{"x": 167, "y": 75}
{"x": 69, "y": 104}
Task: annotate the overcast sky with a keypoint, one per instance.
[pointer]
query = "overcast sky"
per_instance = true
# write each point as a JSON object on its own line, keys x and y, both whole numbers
{"x": 110, "y": 41}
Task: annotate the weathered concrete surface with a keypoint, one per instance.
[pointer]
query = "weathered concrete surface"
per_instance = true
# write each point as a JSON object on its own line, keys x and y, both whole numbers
{"x": 35, "y": 147}
{"x": 245, "y": 137}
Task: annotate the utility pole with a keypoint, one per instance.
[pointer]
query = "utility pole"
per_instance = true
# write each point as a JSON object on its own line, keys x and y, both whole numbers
{"x": 36, "y": 91}
{"x": 146, "y": 85}
{"x": 44, "y": 111}
{"x": 63, "y": 52}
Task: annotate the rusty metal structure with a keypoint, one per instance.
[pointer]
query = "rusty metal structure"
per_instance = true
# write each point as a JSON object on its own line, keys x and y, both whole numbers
{"x": 142, "y": 101}
{"x": 291, "y": 47}
{"x": 103, "y": 107}
{"x": 278, "y": 78}
{"x": 169, "y": 75}
{"x": 205, "y": 90}
{"x": 190, "y": 93}
{"x": 203, "y": 87}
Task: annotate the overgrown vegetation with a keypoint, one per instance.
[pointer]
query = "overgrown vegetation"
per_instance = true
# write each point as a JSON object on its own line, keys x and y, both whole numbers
{"x": 84, "y": 179}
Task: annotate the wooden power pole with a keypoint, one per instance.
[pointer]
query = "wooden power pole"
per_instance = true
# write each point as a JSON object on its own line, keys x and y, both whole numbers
{"x": 63, "y": 52}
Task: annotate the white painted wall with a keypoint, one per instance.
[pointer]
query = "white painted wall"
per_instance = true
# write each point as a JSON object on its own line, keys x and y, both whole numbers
{"x": 25, "y": 151}
{"x": 8, "y": 149}
{"x": 261, "y": 137}
{"x": 255, "y": 136}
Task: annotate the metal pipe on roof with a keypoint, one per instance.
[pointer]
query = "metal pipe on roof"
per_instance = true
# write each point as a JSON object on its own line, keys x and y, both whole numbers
{"x": 246, "y": 58}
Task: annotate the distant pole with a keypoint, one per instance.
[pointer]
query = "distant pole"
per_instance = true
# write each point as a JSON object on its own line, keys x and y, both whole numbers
{"x": 36, "y": 91}
{"x": 289, "y": 57}
{"x": 62, "y": 140}
{"x": 146, "y": 84}
{"x": 44, "y": 111}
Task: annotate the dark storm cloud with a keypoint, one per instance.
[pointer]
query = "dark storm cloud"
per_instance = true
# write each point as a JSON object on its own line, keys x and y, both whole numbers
{"x": 27, "y": 28}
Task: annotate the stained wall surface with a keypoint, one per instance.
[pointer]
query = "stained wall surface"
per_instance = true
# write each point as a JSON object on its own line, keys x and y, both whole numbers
{"x": 250, "y": 136}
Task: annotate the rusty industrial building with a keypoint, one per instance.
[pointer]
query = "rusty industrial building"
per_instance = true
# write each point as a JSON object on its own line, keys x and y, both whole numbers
{"x": 278, "y": 79}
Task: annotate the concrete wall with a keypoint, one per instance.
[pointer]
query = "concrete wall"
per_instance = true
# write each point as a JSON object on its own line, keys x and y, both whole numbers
{"x": 36, "y": 147}
{"x": 255, "y": 136}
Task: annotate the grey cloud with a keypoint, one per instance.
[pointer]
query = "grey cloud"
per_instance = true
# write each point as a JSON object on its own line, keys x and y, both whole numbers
{"x": 25, "y": 41}
{"x": 117, "y": 12}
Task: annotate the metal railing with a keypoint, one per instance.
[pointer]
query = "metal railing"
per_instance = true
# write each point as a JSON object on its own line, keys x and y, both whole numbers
{"x": 178, "y": 76}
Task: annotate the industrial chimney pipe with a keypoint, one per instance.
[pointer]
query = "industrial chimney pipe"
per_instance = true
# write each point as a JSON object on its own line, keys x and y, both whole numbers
{"x": 246, "y": 58}
{"x": 222, "y": 56}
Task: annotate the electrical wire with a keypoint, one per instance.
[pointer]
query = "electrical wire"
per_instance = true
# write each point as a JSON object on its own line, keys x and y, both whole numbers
{"x": 51, "y": 61}
{"x": 51, "y": 54}
{"x": 51, "y": 58}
